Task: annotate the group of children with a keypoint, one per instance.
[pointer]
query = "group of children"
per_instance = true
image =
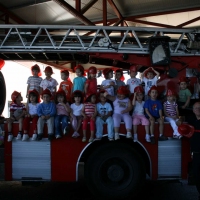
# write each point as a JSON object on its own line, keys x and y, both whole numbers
{"x": 81, "y": 102}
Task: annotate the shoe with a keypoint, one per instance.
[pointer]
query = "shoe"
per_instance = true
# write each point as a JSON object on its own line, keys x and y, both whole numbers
{"x": 75, "y": 135}
{"x": 39, "y": 137}
{"x": 91, "y": 140}
{"x": 177, "y": 136}
{"x": 19, "y": 136}
{"x": 98, "y": 139}
{"x": 152, "y": 140}
{"x": 10, "y": 137}
{"x": 66, "y": 130}
{"x": 117, "y": 136}
{"x": 162, "y": 138}
{"x": 25, "y": 137}
{"x": 110, "y": 139}
{"x": 50, "y": 137}
{"x": 147, "y": 138}
{"x": 58, "y": 136}
{"x": 34, "y": 137}
{"x": 84, "y": 139}
{"x": 135, "y": 138}
{"x": 128, "y": 135}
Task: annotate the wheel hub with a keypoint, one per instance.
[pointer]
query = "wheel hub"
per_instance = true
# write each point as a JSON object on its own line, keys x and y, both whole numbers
{"x": 115, "y": 173}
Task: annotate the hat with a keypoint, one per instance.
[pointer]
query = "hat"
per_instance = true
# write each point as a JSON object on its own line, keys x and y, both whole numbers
{"x": 36, "y": 94}
{"x": 60, "y": 92}
{"x": 122, "y": 77}
{"x": 139, "y": 89}
{"x": 79, "y": 67}
{"x": 65, "y": 71}
{"x": 152, "y": 88}
{"x": 133, "y": 68}
{"x": 170, "y": 93}
{"x": 36, "y": 67}
{"x": 186, "y": 130}
{"x": 47, "y": 91}
{"x": 14, "y": 95}
{"x": 183, "y": 79}
{"x": 123, "y": 90}
{"x": 149, "y": 70}
{"x": 106, "y": 71}
{"x": 92, "y": 70}
{"x": 88, "y": 95}
{"x": 48, "y": 69}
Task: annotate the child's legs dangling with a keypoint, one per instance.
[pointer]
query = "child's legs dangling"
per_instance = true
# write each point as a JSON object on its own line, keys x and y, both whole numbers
{"x": 92, "y": 127}
{"x": 20, "y": 124}
{"x": 85, "y": 123}
{"x": 26, "y": 124}
{"x": 128, "y": 122}
{"x": 161, "y": 125}
{"x": 117, "y": 121}
{"x": 152, "y": 124}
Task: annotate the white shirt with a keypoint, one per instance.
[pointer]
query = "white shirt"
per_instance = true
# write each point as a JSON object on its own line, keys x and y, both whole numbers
{"x": 110, "y": 90}
{"x": 76, "y": 109}
{"x": 49, "y": 84}
{"x": 33, "y": 108}
{"x": 132, "y": 83}
{"x": 138, "y": 108}
{"x": 149, "y": 83}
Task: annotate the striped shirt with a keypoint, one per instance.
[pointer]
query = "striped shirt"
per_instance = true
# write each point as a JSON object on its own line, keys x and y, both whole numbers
{"x": 170, "y": 108}
{"x": 14, "y": 107}
{"x": 89, "y": 109}
{"x": 34, "y": 82}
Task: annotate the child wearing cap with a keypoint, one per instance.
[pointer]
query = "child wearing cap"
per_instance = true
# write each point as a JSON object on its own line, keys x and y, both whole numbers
{"x": 66, "y": 84}
{"x": 62, "y": 114}
{"x": 133, "y": 81}
{"x": 150, "y": 78}
{"x": 35, "y": 80}
{"x": 153, "y": 109}
{"x": 138, "y": 113}
{"x": 119, "y": 79}
{"x": 91, "y": 82}
{"x": 49, "y": 82}
{"x": 171, "y": 112}
{"x": 122, "y": 107}
{"x": 79, "y": 81}
{"x": 46, "y": 112}
{"x": 104, "y": 115}
{"x": 89, "y": 112}
{"x": 31, "y": 115}
{"x": 17, "y": 113}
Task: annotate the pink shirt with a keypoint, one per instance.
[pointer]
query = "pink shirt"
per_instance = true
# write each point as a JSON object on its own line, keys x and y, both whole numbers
{"x": 61, "y": 109}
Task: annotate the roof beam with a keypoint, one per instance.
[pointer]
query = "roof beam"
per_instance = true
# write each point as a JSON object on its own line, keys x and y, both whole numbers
{"x": 114, "y": 7}
{"x": 188, "y": 22}
{"x": 104, "y": 12}
{"x": 74, "y": 12}
{"x": 78, "y": 5}
{"x": 88, "y": 6}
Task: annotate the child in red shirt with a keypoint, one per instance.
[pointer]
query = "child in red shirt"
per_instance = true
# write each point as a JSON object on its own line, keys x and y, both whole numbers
{"x": 91, "y": 82}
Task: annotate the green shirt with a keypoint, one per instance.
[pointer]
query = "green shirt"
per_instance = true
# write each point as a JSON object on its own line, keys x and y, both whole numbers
{"x": 183, "y": 95}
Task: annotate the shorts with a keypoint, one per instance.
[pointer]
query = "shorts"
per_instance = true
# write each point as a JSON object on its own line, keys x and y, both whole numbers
{"x": 140, "y": 119}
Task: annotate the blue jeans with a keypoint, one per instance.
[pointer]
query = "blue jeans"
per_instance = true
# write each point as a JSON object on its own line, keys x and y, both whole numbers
{"x": 99, "y": 127}
{"x": 60, "y": 118}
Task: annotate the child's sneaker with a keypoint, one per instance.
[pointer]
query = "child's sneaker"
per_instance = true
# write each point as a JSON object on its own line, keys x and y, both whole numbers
{"x": 39, "y": 137}
{"x": 19, "y": 136}
{"x": 50, "y": 137}
{"x": 84, "y": 139}
{"x": 91, "y": 140}
{"x": 110, "y": 139}
{"x": 34, "y": 137}
{"x": 25, "y": 137}
{"x": 10, "y": 137}
{"x": 152, "y": 140}
{"x": 117, "y": 136}
{"x": 147, "y": 138}
{"x": 135, "y": 138}
{"x": 58, "y": 136}
{"x": 162, "y": 138}
{"x": 75, "y": 135}
{"x": 128, "y": 135}
{"x": 66, "y": 130}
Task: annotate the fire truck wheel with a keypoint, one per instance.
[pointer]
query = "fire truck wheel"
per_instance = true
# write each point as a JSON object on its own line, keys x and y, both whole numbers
{"x": 2, "y": 93}
{"x": 114, "y": 171}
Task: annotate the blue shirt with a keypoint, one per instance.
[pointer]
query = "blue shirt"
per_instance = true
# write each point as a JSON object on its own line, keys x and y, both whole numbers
{"x": 79, "y": 83}
{"x": 104, "y": 109}
{"x": 153, "y": 107}
{"x": 46, "y": 109}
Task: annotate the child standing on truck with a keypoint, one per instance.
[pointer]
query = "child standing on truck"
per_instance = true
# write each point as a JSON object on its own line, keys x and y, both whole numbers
{"x": 79, "y": 81}
{"x": 91, "y": 82}
{"x": 150, "y": 78}
{"x": 138, "y": 113}
{"x": 171, "y": 113}
{"x": 104, "y": 115}
{"x": 119, "y": 79}
{"x": 17, "y": 113}
{"x": 31, "y": 115}
{"x": 122, "y": 107}
{"x": 66, "y": 84}
{"x": 89, "y": 112}
{"x": 62, "y": 115}
{"x": 35, "y": 80}
{"x": 133, "y": 81}
{"x": 76, "y": 109}
{"x": 153, "y": 109}
{"x": 46, "y": 112}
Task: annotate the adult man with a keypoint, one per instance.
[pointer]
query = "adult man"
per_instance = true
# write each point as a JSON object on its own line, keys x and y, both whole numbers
{"x": 195, "y": 144}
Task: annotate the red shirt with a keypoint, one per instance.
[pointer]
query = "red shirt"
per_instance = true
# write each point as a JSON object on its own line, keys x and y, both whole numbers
{"x": 92, "y": 85}
{"x": 68, "y": 86}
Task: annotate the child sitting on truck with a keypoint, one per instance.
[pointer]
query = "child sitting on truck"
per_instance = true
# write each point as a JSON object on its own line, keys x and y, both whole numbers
{"x": 17, "y": 113}
{"x": 91, "y": 82}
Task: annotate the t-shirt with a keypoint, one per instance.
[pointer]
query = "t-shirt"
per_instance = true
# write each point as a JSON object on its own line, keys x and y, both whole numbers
{"x": 183, "y": 95}
{"x": 132, "y": 83}
{"x": 68, "y": 86}
{"x": 79, "y": 83}
{"x": 153, "y": 107}
{"x": 104, "y": 109}
{"x": 92, "y": 85}
{"x": 33, "y": 108}
{"x": 17, "y": 109}
{"x": 138, "y": 108}
{"x": 89, "y": 108}
{"x": 34, "y": 82}
{"x": 120, "y": 105}
{"x": 149, "y": 83}
{"x": 110, "y": 90}
{"x": 61, "y": 109}
{"x": 170, "y": 108}
{"x": 46, "y": 109}
{"x": 76, "y": 109}
{"x": 49, "y": 84}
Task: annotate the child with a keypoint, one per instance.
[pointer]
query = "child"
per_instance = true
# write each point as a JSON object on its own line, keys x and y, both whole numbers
{"x": 133, "y": 81}
{"x": 34, "y": 81}
{"x": 122, "y": 107}
{"x": 138, "y": 113}
{"x": 79, "y": 81}
{"x": 66, "y": 84}
{"x": 91, "y": 83}
{"x": 17, "y": 112}
{"x": 150, "y": 78}
{"x": 171, "y": 113}
{"x": 49, "y": 82}
{"x": 119, "y": 79}
{"x": 89, "y": 113}
{"x": 76, "y": 109}
{"x": 108, "y": 84}
{"x": 104, "y": 114}
{"x": 46, "y": 112}
{"x": 184, "y": 96}
{"x": 31, "y": 110}
{"x": 153, "y": 109}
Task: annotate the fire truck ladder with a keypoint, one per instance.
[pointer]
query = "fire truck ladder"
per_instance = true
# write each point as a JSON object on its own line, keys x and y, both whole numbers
{"x": 44, "y": 39}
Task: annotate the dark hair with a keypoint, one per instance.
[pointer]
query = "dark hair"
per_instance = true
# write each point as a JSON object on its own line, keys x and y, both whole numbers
{"x": 61, "y": 95}
{"x": 89, "y": 98}
{"x": 33, "y": 94}
{"x": 77, "y": 94}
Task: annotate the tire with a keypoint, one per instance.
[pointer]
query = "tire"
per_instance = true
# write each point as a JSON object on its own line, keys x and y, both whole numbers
{"x": 114, "y": 171}
{"x": 2, "y": 93}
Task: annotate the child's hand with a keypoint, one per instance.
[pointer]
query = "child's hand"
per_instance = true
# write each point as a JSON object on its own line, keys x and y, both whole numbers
{"x": 123, "y": 111}
{"x": 105, "y": 94}
{"x": 112, "y": 83}
{"x": 43, "y": 117}
{"x": 151, "y": 118}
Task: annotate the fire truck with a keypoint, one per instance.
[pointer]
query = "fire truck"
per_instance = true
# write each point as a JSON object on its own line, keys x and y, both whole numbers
{"x": 114, "y": 169}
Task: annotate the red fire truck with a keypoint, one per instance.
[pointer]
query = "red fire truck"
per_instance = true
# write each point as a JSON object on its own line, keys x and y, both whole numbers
{"x": 115, "y": 169}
